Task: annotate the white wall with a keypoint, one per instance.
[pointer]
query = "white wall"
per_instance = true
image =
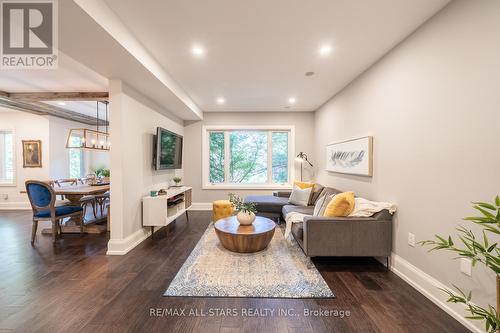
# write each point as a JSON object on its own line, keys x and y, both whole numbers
{"x": 26, "y": 127}
{"x": 304, "y": 125}
{"x": 433, "y": 107}
{"x": 134, "y": 120}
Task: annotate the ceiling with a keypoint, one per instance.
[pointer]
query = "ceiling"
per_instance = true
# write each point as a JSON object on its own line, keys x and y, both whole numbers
{"x": 87, "y": 108}
{"x": 257, "y": 52}
{"x": 70, "y": 76}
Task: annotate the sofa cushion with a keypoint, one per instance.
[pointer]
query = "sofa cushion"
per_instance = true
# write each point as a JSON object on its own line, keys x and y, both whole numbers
{"x": 303, "y": 185}
{"x": 315, "y": 194}
{"x": 341, "y": 205}
{"x": 300, "y": 196}
{"x": 330, "y": 191}
{"x": 299, "y": 209}
{"x": 321, "y": 203}
{"x": 267, "y": 203}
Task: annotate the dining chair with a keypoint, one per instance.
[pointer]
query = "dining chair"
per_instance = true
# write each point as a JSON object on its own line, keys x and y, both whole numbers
{"x": 88, "y": 199}
{"x": 101, "y": 200}
{"x": 62, "y": 201}
{"x": 43, "y": 203}
{"x": 88, "y": 179}
{"x": 66, "y": 182}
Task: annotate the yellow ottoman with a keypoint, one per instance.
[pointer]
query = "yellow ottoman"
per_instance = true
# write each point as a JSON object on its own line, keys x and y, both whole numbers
{"x": 221, "y": 209}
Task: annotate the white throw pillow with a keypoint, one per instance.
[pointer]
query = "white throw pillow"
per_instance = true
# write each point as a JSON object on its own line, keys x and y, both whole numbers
{"x": 321, "y": 203}
{"x": 300, "y": 197}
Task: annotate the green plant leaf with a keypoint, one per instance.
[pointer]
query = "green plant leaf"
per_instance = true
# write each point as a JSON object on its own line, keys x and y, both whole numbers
{"x": 485, "y": 205}
{"x": 497, "y": 200}
{"x": 485, "y": 213}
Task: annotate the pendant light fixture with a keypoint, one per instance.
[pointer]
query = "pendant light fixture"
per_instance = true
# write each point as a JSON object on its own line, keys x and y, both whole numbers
{"x": 84, "y": 138}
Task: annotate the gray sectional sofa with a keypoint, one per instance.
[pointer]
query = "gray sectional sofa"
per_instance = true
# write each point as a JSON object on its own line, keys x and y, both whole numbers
{"x": 320, "y": 236}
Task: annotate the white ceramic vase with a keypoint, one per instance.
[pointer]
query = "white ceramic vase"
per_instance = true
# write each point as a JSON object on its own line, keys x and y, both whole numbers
{"x": 245, "y": 218}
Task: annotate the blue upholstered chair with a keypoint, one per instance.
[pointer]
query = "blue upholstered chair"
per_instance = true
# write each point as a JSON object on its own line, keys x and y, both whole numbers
{"x": 43, "y": 202}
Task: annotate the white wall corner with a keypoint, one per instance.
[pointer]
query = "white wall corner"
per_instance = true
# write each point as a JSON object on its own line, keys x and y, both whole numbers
{"x": 123, "y": 246}
{"x": 429, "y": 287}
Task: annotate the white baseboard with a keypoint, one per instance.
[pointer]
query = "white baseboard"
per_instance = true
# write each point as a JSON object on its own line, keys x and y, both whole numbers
{"x": 429, "y": 287}
{"x": 201, "y": 206}
{"x": 15, "y": 205}
{"x": 123, "y": 246}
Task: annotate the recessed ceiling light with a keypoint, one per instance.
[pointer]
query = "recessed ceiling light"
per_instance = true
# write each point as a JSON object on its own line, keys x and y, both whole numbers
{"x": 291, "y": 100}
{"x": 221, "y": 100}
{"x": 61, "y": 103}
{"x": 325, "y": 50}
{"x": 197, "y": 51}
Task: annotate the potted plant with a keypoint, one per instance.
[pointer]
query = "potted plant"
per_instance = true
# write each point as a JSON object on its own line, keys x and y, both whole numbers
{"x": 177, "y": 180}
{"x": 246, "y": 210}
{"x": 480, "y": 250}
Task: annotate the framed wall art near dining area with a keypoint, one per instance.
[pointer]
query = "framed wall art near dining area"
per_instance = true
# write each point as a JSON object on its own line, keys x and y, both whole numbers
{"x": 32, "y": 153}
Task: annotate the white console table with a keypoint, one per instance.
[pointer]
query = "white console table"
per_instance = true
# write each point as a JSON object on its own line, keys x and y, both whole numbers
{"x": 161, "y": 210}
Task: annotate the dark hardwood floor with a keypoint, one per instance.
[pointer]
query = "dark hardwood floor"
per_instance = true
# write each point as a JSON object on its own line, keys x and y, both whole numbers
{"x": 75, "y": 287}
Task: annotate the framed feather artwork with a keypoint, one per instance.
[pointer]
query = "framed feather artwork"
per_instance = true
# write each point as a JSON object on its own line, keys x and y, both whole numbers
{"x": 354, "y": 157}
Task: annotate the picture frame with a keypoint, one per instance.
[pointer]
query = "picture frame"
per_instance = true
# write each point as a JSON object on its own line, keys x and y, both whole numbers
{"x": 353, "y": 157}
{"x": 32, "y": 153}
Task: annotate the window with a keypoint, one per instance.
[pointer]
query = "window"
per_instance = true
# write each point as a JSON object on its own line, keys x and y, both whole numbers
{"x": 7, "y": 163}
{"x": 75, "y": 158}
{"x": 247, "y": 157}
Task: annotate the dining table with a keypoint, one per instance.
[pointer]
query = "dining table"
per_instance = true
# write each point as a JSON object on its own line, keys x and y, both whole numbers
{"x": 73, "y": 194}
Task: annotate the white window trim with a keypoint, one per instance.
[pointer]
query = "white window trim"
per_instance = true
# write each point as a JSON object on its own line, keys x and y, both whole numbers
{"x": 82, "y": 162}
{"x": 205, "y": 162}
{"x": 14, "y": 160}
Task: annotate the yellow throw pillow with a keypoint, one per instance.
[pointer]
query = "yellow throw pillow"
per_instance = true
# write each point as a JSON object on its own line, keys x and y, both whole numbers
{"x": 303, "y": 185}
{"x": 341, "y": 205}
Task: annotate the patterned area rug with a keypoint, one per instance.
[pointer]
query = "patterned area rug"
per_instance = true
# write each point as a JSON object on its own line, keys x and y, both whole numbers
{"x": 280, "y": 271}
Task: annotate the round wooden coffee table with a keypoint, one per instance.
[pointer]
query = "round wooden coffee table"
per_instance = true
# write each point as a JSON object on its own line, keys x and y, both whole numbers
{"x": 245, "y": 238}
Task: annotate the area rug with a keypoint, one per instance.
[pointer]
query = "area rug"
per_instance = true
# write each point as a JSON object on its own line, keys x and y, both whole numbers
{"x": 280, "y": 271}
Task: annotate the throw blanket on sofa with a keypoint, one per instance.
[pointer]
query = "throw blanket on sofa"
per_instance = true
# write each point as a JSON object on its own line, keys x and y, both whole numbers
{"x": 366, "y": 208}
{"x": 292, "y": 217}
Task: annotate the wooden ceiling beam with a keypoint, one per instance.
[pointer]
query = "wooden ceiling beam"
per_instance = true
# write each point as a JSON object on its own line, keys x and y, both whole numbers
{"x": 59, "y": 96}
{"x": 47, "y": 109}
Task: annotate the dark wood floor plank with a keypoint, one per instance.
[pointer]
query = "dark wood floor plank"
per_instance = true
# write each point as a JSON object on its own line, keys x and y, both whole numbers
{"x": 75, "y": 287}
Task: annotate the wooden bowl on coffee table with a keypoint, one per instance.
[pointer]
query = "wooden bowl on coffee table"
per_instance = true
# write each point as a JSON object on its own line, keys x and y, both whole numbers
{"x": 245, "y": 238}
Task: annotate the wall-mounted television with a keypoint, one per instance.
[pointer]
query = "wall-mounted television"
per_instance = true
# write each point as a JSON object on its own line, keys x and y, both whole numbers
{"x": 167, "y": 148}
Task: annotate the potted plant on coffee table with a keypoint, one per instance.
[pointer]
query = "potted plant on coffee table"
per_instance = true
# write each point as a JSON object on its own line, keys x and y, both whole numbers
{"x": 246, "y": 210}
